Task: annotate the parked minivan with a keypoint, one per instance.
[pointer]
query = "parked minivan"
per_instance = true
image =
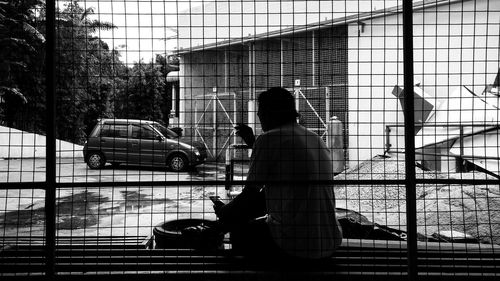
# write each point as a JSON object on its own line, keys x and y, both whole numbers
{"x": 140, "y": 142}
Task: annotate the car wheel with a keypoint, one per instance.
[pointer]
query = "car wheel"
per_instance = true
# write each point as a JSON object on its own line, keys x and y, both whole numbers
{"x": 178, "y": 163}
{"x": 95, "y": 160}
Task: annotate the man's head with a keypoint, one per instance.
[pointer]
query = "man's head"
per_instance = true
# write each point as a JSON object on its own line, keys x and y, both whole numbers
{"x": 276, "y": 107}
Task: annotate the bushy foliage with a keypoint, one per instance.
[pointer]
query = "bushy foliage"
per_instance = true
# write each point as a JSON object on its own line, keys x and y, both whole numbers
{"x": 21, "y": 62}
{"x": 143, "y": 93}
{"x": 85, "y": 69}
{"x": 91, "y": 80}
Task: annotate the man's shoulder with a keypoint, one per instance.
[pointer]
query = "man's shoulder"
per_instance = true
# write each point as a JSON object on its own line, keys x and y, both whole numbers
{"x": 272, "y": 133}
{"x": 265, "y": 138}
{"x": 287, "y": 131}
{"x": 287, "y": 128}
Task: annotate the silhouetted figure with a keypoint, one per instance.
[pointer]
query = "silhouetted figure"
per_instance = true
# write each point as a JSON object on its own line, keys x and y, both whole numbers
{"x": 281, "y": 211}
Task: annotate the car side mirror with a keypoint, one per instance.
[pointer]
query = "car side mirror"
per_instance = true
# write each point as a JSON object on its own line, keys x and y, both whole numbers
{"x": 159, "y": 138}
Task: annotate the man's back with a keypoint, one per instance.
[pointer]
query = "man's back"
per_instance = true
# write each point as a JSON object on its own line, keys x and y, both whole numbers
{"x": 301, "y": 215}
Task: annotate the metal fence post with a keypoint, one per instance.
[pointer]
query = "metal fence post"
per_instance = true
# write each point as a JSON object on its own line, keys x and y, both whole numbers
{"x": 411, "y": 206}
{"x": 229, "y": 168}
{"x": 50, "y": 176}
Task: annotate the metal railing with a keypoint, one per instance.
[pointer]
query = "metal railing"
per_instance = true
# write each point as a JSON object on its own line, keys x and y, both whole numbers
{"x": 410, "y": 181}
{"x": 390, "y": 143}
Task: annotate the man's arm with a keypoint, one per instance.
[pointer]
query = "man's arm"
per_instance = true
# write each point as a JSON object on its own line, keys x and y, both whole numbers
{"x": 250, "y": 203}
{"x": 246, "y": 133}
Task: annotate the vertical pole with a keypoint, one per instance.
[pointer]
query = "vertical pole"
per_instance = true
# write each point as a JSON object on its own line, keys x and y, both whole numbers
{"x": 50, "y": 158}
{"x": 235, "y": 115}
{"x": 254, "y": 86}
{"x": 388, "y": 144}
{"x": 297, "y": 101}
{"x": 251, "y": 83}
{"x": 214, "y": 116}
{"x": 314, "y": 59}
{"x": 226, "y": 71}
{"x": 460, "y": 166}
{"x": 229, "y": 168}
{"x": 327, "y": 103}
{"x": 282, "y": 57}
{"x": 174, "y": 101}
{"x": 327, "y": 113}
{"x": 195, "y": 120}
{"x": 411, "y": 208}
{"x": 182, "y": 93}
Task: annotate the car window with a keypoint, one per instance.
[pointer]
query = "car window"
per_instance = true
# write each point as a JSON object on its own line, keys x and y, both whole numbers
{"x": 165, "y": 131}
{"x": 121, "y": 131}
{"x": 142, "y": 132}
{"x": 106, "y": 131}
{"x": 114, "y": 131}
{"x": 96, "y": 131}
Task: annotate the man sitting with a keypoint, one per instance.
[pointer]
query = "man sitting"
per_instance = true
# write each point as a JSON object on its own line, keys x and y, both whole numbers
{"x": 287, "y": 207}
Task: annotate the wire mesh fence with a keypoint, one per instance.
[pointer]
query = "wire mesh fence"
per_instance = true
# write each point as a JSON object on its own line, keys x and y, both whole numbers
{"x": 147, "y": 95}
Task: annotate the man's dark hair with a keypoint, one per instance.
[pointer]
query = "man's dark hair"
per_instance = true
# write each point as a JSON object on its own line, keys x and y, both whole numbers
{"x": 278, "y": 103}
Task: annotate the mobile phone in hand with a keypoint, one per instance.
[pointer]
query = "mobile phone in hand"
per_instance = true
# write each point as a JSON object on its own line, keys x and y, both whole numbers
{"x": 214, "y": 199}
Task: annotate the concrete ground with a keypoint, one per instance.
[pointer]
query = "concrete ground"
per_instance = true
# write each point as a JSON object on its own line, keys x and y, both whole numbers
{"x": 75, "y": 170}
{"x": 134, "y": 210}
{"x": 118, "y": 210}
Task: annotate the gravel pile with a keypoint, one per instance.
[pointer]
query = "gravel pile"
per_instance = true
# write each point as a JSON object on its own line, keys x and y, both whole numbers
{"x": 472, "y": 209}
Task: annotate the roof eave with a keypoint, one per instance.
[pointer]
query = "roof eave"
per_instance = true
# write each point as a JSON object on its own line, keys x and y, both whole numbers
{"x": 323, "y": 24}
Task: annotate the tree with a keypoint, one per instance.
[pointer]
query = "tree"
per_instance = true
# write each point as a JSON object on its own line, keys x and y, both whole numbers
{"x": 91, "y": 80}
{"x": 86, "y": 72}
{"x": 21, "y": 46}
{"x": 143, "y": 93}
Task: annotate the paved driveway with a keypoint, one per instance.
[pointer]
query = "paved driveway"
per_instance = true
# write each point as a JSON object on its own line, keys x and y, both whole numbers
{"x": 118, "y": 210}
{"x": 75, "y": 170}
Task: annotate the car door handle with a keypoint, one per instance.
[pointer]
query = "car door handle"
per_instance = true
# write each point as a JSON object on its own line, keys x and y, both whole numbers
{"x": 135, "y": 143}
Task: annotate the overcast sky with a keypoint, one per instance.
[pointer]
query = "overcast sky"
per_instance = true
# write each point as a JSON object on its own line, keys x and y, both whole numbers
{"x": 143, "y": 25}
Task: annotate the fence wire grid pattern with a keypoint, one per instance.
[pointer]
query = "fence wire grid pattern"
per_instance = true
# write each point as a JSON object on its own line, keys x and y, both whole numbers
{"x": 119, "y": 116}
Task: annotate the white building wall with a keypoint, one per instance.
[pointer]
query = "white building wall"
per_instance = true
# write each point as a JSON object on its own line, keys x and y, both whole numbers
{"x": 454, "y": 45}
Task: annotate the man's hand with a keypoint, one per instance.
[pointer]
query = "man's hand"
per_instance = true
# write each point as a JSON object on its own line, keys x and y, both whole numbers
{"x": 218, "y": 208}
{"x": 246, "y": 133}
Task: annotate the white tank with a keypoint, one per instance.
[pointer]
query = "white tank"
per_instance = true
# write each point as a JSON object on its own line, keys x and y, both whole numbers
{"x": 335, "y": 141}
